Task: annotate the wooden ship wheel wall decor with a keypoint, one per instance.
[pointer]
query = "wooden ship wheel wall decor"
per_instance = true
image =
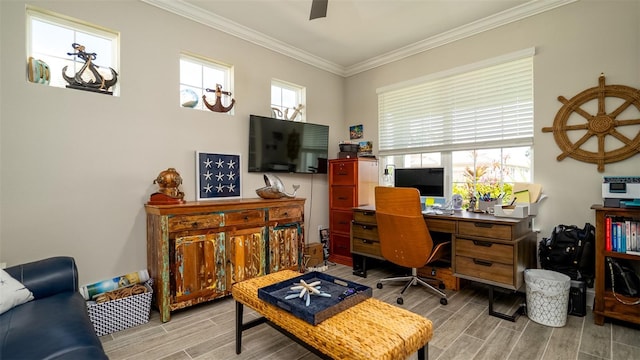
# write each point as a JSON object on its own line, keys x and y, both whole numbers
{"x": 615, "y": 128}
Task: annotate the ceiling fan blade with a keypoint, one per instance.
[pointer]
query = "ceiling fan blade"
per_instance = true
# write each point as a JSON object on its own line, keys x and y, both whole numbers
{"x": 318, "y": 9}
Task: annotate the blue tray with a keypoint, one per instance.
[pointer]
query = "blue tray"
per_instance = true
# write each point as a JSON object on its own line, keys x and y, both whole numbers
{"x": 344, "y": 294}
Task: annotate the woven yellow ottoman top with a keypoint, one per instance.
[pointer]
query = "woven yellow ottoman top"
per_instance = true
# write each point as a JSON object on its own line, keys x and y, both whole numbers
{"x": 368, "y": 330}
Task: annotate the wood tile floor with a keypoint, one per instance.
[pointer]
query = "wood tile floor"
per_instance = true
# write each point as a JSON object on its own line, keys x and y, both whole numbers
{"x": 462, "y": 330}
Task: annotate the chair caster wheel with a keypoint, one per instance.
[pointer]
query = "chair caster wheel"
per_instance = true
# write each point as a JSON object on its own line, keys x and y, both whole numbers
{"x": 443, "y": 301}
{"x": 441, "y": 286}
{"x": 379, "y": 285}
{"x": 400, "y": 301}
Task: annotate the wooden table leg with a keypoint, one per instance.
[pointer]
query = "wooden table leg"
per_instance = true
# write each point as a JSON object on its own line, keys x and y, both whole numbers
{"x": 423, "y": 352}
{"x": 239, "y": 309}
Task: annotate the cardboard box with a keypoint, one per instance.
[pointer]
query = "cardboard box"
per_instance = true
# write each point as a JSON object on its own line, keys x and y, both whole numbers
{"x": 443, "y": 274}
{"x": 314, "y": 253}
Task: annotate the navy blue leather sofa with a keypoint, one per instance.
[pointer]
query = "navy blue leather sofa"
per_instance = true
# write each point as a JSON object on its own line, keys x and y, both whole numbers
{"x": 55, "y": 324}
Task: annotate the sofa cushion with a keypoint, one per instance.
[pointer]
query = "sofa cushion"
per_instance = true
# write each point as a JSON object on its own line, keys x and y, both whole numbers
{"x": 12, "y": 292}
{"x": 55, "y": 327}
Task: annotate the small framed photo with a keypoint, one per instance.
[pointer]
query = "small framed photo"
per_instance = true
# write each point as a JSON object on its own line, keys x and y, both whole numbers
{"x": 324, "y": 240}
{"x": 217, "y": 176}
{"x": 355, "y": 132}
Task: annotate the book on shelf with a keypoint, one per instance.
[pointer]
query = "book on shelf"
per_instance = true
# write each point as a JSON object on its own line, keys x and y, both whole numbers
{"x": 621, "y": 234}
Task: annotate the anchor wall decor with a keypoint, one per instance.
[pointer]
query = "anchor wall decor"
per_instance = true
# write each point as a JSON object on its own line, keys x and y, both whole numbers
{"x": 217, "y": 106}
{"x": 88, "y": 77}
{"x": 605, "y": 126}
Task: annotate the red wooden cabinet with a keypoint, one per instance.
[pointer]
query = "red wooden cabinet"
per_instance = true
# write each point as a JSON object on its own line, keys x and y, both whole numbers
{"x": 352, "y": 183}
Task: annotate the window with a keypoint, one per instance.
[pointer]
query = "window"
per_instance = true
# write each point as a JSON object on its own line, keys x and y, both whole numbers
{"x": 287, "y": 101}
{"x": 198, "y": 77}
{"x": 50, "y": 38}
{"x": 476, "y": 121}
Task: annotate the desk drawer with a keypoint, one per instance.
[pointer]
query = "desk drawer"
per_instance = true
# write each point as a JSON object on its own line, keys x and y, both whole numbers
{"x": 368, "y": 217}
{"x": 484, "y": 270}
{"x": 194, "y": 222}
{"x": 340, "y": 245}
{"x": 285, "y": 212}
{"x": 341, "y": 221}
{"x": 343, "y": 173}
{"x": 485, "y": 250}
{"x": 342, "y": 197}
{"x": 247, "y": 217}
{"x": 441, "y": 225}
{"x": 364, "y": 231}
{"x": 366, "y": 247}
{"x": 485, "y": 229}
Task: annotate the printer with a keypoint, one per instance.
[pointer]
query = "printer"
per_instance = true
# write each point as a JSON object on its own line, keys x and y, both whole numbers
{"x": 621, "y": 191}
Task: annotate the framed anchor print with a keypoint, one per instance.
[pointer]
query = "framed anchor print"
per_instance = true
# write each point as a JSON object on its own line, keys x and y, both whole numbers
{"x": 217, "y": 176}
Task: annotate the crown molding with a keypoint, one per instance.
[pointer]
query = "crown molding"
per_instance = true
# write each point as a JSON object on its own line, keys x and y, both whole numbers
{"x": 220, "y": 23}
{"x": 491, "y": 22}
{"x": 217, "y": 22}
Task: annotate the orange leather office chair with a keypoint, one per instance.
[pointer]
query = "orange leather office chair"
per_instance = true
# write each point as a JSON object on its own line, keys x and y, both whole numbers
{"x": 404, "y": 237}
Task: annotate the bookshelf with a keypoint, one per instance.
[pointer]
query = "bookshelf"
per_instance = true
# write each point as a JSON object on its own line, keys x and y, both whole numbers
{"x": 606, "y": 305}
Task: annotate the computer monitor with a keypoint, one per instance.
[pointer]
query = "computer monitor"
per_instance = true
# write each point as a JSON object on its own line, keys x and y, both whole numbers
{"x": 429, "y": 181}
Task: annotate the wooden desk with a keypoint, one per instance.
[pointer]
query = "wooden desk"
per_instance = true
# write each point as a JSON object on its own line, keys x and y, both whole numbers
{"x": 487, "y": 249}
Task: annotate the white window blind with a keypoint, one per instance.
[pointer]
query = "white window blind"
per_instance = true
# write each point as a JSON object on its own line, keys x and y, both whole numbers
{"x": 488, "y": 106}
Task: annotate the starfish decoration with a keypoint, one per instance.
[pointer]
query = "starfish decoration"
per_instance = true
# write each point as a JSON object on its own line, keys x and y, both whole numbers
{"x": 304, "y": 291}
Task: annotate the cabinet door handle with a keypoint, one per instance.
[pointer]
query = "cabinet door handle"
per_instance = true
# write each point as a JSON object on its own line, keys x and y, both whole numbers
{"x": 342, "y": 198}
{"x": 483, "y": 225}
{"x": 342, "y": 173}
{"x": 365, "y": 241}
{"x": 482, "y": 243}
{"x": 482, "y": 262}
{"x": 368, "y": 213}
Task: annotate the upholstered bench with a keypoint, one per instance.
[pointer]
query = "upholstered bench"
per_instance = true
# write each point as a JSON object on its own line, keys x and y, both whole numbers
{"x": 368, "y": 330}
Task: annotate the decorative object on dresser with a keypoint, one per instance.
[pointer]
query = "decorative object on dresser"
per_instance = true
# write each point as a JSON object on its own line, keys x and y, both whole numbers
{"x": 274, "y": 188}
{"x": 169, "y": 182}
{"x": 217, "y": 176}
{"x": 197, "y": 250}
{"x": 351, "y": 184}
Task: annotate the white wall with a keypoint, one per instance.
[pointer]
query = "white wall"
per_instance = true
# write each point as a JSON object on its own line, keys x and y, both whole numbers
{"x": 574, "y": 44}
{"x": 77, "y": 167}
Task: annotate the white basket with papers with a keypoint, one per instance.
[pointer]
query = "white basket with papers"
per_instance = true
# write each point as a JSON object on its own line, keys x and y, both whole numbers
{"x": 518, "y": 211}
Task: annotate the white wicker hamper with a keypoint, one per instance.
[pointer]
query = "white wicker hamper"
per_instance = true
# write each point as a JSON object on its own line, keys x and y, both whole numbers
{"x": 120, "y": 314}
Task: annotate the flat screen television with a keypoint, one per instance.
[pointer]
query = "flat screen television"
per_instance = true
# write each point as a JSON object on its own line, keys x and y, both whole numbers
{"x": 429, "y": 181}
{"x": 286, "y": 146}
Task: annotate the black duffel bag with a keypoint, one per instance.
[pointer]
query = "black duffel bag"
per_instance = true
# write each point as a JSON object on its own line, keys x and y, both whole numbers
{"x": 570, "y": 250}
